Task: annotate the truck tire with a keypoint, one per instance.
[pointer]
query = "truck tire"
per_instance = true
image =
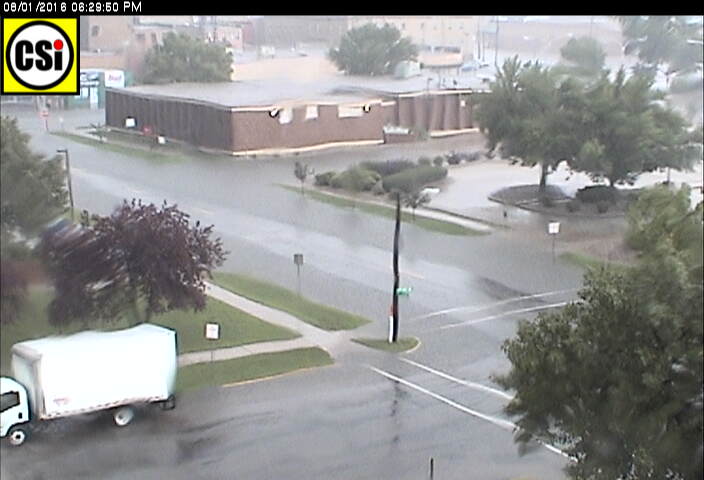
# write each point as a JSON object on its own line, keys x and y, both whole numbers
{"x": 123, "y": 416}
{"x": 17, "y": 436}
{"x": 169, "y": 403}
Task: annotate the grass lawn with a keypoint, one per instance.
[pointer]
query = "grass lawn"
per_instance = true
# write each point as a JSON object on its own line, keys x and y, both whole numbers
{"x": 248, "y": 368}
{"x": 321, "y": 316}
{"x": 431, "y": 224}
{"x": 236, "y": 326}
{"x": 401, "y": 345}
{"x": 586, "y": 261}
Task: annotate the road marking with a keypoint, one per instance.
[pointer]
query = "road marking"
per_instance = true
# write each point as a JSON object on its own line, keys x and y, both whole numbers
{"x": 492, "y": 305}
{"x": 503, "y": 424}
{"x": 492, "y": 317}
{"x": 477, "y": 386}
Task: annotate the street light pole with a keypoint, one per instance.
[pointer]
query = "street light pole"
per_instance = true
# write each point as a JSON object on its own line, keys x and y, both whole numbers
{"x": 397, "y": 233}
{"x": 68, "y": 176}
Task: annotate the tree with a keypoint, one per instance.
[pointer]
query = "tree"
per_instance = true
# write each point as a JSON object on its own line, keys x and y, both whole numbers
{"x": 585, "y": 54}
{"x": 415, "y": 199}
{"x": 33, "y": 188}
{"x": 301, "y": 171}
{"x": 139, "y": 253}
{"x": 372, "y": 50}
{"x": 531, "y": 116}
{"x": 182, "y": 58}
{"x": 615, "y": 379}
{"x": 672, "y": 41}
{"x": 13, "y": 291}
{"x": 627, "y": 131}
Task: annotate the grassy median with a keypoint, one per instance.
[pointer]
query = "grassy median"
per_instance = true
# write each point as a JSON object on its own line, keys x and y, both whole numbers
{"x": 249, "y": 368}
{"x": 427, "y": 223}
{"x": 588, "y": 262}
{"x": 321, "y": 316}
{"x": 236, "y": 326}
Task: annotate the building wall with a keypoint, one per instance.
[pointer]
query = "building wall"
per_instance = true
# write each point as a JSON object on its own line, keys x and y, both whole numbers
{"x": 106, "y": 33}
{"x": 435, "y": 112}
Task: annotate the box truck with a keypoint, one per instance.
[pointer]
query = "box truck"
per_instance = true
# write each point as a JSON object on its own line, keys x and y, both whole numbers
{"x": 58, "y": 377}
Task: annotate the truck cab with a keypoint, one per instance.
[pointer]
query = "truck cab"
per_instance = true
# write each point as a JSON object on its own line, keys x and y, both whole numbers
{"x": 14, "y": 411}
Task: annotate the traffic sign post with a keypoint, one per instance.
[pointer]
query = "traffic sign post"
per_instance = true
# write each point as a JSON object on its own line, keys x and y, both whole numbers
{"x": 298, "y": 261}
{"x": 553, "y": 230}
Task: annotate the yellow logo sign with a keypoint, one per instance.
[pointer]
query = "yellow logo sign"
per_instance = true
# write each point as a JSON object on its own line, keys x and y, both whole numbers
{"x": 40, "y": 55}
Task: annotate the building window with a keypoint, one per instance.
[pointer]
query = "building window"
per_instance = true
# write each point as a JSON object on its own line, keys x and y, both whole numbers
{"x": 349, "y": 111}
{"x": 9, "y": 400}
{"x": 95, "y": 30}
{"x": 285, "y": 115}
{"x": 311, "y": 112}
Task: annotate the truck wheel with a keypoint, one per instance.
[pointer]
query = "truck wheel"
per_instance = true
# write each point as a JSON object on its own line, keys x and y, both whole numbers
{"x": 123, "y": 416}
{"x": 17, "y": 436}
{"x": 169, "y": 403}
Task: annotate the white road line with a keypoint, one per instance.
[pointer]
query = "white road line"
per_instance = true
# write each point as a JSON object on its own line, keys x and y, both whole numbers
{"x": 492, "y": 317}
{"x": 501, "y": 423}
{"x": 473, "y": 309}
{"x": 477, "y": 386}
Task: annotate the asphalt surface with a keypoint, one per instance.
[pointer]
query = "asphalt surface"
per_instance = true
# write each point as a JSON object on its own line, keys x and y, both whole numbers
{"x": 369, "y": 416}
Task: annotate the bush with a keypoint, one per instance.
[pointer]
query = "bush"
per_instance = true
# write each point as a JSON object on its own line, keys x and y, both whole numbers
{"x": 473, "y": 156}
{"x": 439, "y": 161}
{"x": 602, "y": 207}
{"x": 453, "y": 158}
{"x": 574, "y": 205}
{"x": 388, "y": 167}
{"x": 378, "y": 188}
{"x": 547, "y": 201}
{"x": 355, "y": 179}
{"x": 424, "y": 161}
{"x": 414, "y": 179}
{"x": 596, "y": 194}
{"x": 323, "y": 179}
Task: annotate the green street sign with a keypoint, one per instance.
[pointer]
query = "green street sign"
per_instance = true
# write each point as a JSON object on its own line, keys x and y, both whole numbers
{"x": 404, "y": 291}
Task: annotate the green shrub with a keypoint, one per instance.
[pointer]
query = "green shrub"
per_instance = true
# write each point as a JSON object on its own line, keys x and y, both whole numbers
{"x": 355, "y": 179}
{"x": 596, "y": 194}
{"x": 424, "y": 161}
{"x": 414, "y": 179}
{"x": 323, "y": 179}
{"x": 439, "y": 161}
{"x": 388, "y": 167}
{"x": 453, "y": 158}
{"x": 378, "y": 188}
{"x": 574, "y": 205}
{"x": 602, "y": 207}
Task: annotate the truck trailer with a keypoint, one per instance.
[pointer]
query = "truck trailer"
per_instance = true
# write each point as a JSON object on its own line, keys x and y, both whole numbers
{"x": 57, "y": 377}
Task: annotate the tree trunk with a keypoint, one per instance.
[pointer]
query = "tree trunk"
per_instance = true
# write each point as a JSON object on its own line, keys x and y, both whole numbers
{"x": 543, "y": 177}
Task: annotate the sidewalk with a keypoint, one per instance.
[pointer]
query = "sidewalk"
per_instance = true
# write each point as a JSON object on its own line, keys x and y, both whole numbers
{"x": 310, "y": 336}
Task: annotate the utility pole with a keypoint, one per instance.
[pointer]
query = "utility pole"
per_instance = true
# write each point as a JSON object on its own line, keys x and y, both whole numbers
{"x": 397, "y": 234}
{"x": 68, "y": 176}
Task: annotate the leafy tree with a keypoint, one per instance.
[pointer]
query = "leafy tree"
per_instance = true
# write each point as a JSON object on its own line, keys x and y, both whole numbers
{"x": 182, "y": 58}
{"x": 627, "y": 131}
{"x": 13, "y": 291}
{"x": 531, "y": 116}
{"x": 672, "y": 41}
{"x": 415, "y": 199}
{"x": 33, "y": 189}
{"x": 615, "y": 379}
{"x": 662, "y": 213}
{"x": 139, "y": 253}
{"x": 372, "y": 50}
{"x": 301, "y": 171}
{"x": 585, "y": 54}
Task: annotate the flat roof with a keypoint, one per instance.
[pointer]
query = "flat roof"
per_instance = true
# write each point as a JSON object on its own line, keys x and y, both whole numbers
{"x": 340, "y": 89}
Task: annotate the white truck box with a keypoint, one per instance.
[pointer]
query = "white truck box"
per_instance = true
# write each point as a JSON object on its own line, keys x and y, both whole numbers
{"x": 92, "y": 371}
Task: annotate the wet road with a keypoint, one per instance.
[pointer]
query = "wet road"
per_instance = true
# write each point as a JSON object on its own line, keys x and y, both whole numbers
{"x": 352, "y": 420}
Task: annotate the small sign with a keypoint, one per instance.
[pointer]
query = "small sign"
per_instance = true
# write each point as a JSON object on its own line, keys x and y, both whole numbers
{"x": 553, "y": 228}
{"x": 130, "y": 122}
{"x": 161, "y": 140}
{"x": 298, "y": 259}
{"x": 212, "y": 331}
{"x": 44, "y": 113}
{"x": 404, "y": 291}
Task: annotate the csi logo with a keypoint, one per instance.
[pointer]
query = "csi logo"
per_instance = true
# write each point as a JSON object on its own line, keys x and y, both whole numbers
{"x": 39, "y": 55}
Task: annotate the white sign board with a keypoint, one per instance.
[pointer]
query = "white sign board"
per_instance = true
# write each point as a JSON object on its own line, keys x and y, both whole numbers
{"x": 130, "y": 122}
{"x": 115, "y": 78}
{"x": 554, "y": 228}
{"x": 212, "y": 331}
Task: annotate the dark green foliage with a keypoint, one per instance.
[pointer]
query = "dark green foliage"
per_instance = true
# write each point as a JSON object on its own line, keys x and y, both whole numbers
{"x": 602, "y": 206}
{"x": 424, "y": 161}
{"x": 388, "y": 167}
{"x": 574, "y": 206}
{"x": 323, "y": 179}
{"x": 585, "y": 54}
{"x": 378, "y": 188}
{"x": 13, "y": 290}
{"x": 182, "y": 58}
{"x": 140, "y": 252}
{"x": 453, "y": 158}
{"x": 414, "y": 179}
{"x": 301, "y": 172}
{"x": 372, "y": 50}
{"x": 439, "y": 161}
{"x": 615, "y": 378}
{"x": 355, "y": 179}
{"x": 596, "y": 194}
